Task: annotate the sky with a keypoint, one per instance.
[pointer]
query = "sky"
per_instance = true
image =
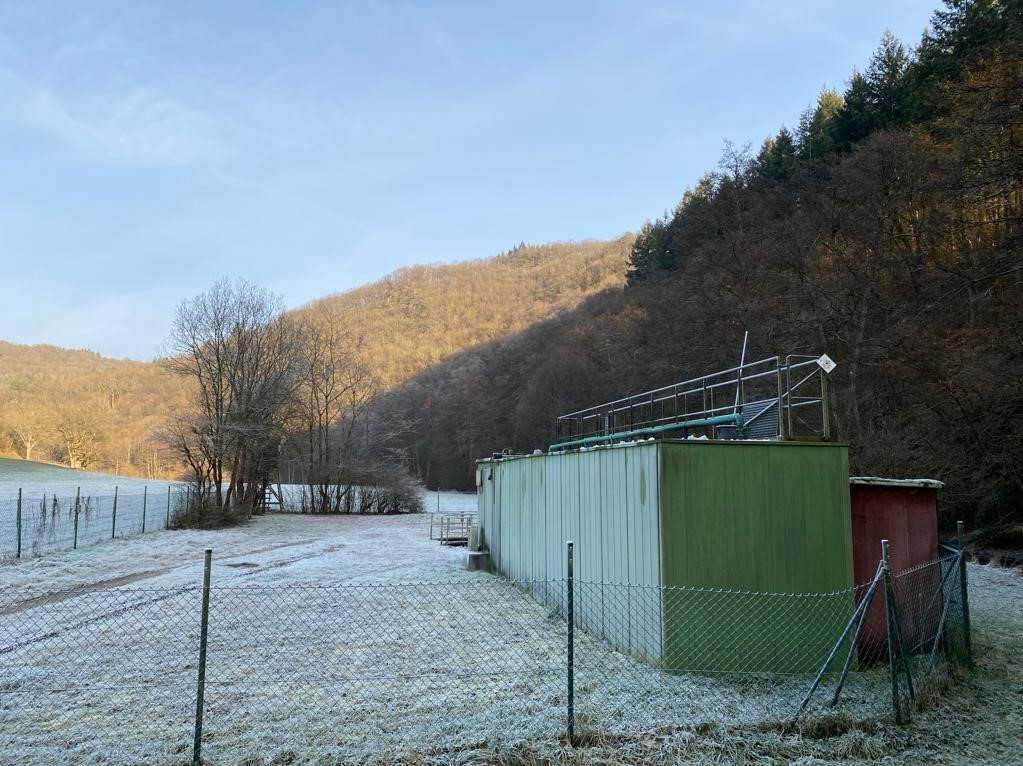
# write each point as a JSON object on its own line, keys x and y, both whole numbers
{"x": 149, "y": 148}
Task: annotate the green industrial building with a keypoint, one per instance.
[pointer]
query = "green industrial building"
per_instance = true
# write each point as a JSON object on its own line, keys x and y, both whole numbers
{"x": 692, "y": 516}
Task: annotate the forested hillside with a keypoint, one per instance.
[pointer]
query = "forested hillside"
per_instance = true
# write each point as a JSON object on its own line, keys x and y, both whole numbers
{"x": 80, "y": 409}
{"x": 420, "y": 315}
{"x": 884, "y": 229}
{"x": 85, "y": 411}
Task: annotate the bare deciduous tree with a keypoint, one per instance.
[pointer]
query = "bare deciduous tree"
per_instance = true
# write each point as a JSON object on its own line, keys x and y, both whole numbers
{"x": 240, "y": 353}
{"x": 335, "y": 389}
{"x": 81, "y": 436}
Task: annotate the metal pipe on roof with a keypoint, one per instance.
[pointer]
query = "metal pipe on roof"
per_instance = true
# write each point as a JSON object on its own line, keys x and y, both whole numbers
{"x": 736, "y": 419}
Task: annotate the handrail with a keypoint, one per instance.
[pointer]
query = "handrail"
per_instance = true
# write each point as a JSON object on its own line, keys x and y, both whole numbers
{"x": 703, "y": 400}
{"x": 672, "y": 386}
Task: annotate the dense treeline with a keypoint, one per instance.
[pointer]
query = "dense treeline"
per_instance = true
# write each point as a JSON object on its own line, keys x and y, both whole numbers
{"x": 82, "y": 410}
{"x": 420, "y": 315}
{"x": 885, "y": 230}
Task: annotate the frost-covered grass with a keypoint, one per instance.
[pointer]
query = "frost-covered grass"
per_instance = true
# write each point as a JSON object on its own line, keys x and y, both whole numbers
{"x": 323, "y": 650}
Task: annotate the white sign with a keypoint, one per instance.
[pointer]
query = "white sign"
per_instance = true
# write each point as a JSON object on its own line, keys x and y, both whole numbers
{"x": 826, "y": 363}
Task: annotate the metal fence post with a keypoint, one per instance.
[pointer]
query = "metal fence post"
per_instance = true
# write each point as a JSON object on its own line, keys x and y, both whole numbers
{"x": 19, "y": 523}
{"x": 888, "y": 597}
{"x": 167, "y": 523}
{"x": 570, "y": 617}
{"x": 961, "y": 533}
{"x": 145, "y": 493}
{"x": 113, "y": 516}
{"x": 200, "y": 694}
{"x": 78, "y": 505}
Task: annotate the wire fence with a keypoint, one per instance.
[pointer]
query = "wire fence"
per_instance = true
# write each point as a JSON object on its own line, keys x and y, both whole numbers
{"x": 40, "y": 523}
{"x": 339, "y": 673}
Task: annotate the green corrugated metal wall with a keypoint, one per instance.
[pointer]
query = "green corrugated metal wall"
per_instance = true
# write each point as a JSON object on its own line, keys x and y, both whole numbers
{"x": 606, "y": 502}
{"x": 761, "y": 516}
{"x": 770, "y": 517}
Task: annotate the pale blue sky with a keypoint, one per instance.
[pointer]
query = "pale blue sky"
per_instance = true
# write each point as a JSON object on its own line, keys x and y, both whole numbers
{"x": 147, "y": 148}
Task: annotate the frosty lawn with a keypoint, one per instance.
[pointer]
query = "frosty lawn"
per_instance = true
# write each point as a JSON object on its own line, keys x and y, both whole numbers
{"x": 318, "y": 654}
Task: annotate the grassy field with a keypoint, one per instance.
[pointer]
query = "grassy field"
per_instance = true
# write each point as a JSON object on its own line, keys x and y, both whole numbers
{"x": 327, "y": 647}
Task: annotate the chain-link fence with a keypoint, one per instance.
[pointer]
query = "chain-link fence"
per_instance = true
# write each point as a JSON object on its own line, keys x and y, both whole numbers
{"x": 339, "y": 673}
{"x": 39, "y": 523}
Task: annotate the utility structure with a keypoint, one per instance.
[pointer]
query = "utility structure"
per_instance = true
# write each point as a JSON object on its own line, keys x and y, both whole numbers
{"x": 726, "y": 481}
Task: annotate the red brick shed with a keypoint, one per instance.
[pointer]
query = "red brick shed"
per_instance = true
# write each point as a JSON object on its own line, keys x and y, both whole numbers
{"x": 904, "y": 512}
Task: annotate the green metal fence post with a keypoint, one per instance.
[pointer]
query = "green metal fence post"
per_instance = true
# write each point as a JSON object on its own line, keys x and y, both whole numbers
{"x": 200, "y": 694}
{"x": 961, "y": 533}
{"x": 167, "y": 523}
{"x": 78, "y": 506}
{"x": 570, "y": 617}
{"x": 145, "y": 493}
{"x": 19, "y": 523}
{"x": 888, "y": 597}
{"x": 113, "y": 517}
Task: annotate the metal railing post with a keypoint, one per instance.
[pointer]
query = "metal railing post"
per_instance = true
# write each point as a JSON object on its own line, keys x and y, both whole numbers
{"x": 145, "y": 494}
{"x": 19, "y": 523}
{"x": 781, "y": 403}
{"x": 961, "y": 534}
{"x": 78, "y": 505}
{"x": 825, "y": 406}
{"x": 570, "y": 617}
{"x": 113, "y": 516}
{"x": 788, "y": 393}
{"x": 888, "y": 597}
{"x": 200, "y": 694}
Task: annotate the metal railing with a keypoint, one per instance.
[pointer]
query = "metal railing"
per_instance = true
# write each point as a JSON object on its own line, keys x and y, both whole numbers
{"x": 777, "y": 397}
{"x": 451, "y": 527}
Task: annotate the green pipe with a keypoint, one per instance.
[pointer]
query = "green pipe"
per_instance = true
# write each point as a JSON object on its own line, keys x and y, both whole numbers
{"x": 718, "y": 420}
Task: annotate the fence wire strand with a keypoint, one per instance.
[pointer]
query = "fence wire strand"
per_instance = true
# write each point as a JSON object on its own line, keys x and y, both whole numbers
{"x": 56, "y": 522}
{"x": 337, "y": 673}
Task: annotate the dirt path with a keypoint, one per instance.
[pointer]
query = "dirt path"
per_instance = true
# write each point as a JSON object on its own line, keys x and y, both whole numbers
{"x": 271, "y": 549}
{"x": 248, "y": 569}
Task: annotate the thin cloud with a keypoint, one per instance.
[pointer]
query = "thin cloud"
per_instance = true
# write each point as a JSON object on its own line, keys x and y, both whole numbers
{"x": 136, "y": 128}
